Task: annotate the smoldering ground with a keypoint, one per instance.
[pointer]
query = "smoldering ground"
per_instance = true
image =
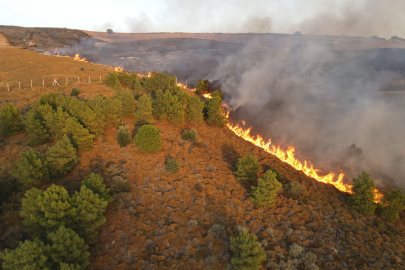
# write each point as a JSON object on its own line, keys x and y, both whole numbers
{"x": 325, "y": 103}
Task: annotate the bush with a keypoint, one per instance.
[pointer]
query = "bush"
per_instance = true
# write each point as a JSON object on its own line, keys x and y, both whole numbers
{"x": 144, "y": 109}
{"x": 123, "y": 136}
{"x": 295, "y": 188}
{"x": 195, "y": 115}
{"x": 248, "y": 253}
{"x": 295, "y": 250}
{"x": 67, "y": 247}
{"x": 32, "y": 169}
{"x": 7, "y": 187}
{"x": 94, "y": 182}
{"x": 217, "y": 230}
{"x": 266, "y": 191}
{"x": 28, "y": 255}
{"x": 172, "y": 166}
{"x": 10, "y": 118}
{"x": 364, "y": 195}
{"x": 190, "y": 135}
{"x": 148, "y": 139}
{"x": 75, "y": 92}
{"x": 61, "y": 157}
{"x": 392, "y": 204}
{"x": 214, "y": 113}
{"x": 246, "y": 169}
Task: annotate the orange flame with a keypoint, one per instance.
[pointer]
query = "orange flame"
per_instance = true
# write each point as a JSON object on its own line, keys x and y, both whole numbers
{"x": 118, "y": 69}
{"x": 207, "y": 95}
{"x": 182, "y": 85}
{"x": 288, "y": 157}
{"x": 77, "y": 58}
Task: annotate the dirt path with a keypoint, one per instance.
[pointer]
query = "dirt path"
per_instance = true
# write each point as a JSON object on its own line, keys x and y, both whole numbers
{"x": 3, "y": 42}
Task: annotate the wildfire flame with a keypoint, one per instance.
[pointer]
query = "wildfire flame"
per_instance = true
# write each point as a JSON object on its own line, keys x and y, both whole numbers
{"x": 182, "y": 85}
{"x": 207, "y": 95}
{"x": 77, "y": 58}
{"x": 288, "y": 157}
{"x": 118, "y": 69}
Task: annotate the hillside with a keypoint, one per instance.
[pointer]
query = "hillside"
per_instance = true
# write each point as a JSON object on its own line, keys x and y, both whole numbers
{"x": 164, "y": 221}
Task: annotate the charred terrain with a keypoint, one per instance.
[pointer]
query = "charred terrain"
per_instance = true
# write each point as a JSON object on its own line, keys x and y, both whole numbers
{"x": 185, "y": 220}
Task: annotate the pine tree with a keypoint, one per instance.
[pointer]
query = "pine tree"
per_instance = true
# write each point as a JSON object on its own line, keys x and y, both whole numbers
{"x": 28, "y": 255}
{"x": 94, "y": 182}
{"x": 133, "y": 82}
{"x": 49, "y": 99}
{"x": 248, "y": 253}
{"x": 65, "y": 266}
{"x": 176, "y": 113}
{"x": 364, "y": 195}
{"x": 10, "y": 118}
{"x": 144, "y": 110}
{"x": 45, "y": 211}
{"x": 214, "y": 113}
{"x": 60, "y": 101}
{"x": 56, "y": 122}
{"x": 80, "y": 136}
{"x": 99, "y": 101}
{"x": 32, "y": 169}
{"x": 100, "y": 119}
{"x": 117, "y": 85}
{"x": 128, "y": 103}
{"x": 123, "y": 136}
{"x": 148, "y": 139}
{"x": 161, "y": 104}
{"x": 35, "y": 123}
{"x": 113, "y": 112}
{"x": 67, "y": 247}
{"x": 246, "y": 169}
{"x": 195, "y": 115}
{"x": 61, "y": 157}
{"x": 392, "y": 204}
{"x": 216, "y": 93}
{"x": 266, "y": 191}
{"x": 89, "y": 214}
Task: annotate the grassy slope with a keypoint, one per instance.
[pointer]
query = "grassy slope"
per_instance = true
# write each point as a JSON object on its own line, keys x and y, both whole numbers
{"x": 150, "y": 225}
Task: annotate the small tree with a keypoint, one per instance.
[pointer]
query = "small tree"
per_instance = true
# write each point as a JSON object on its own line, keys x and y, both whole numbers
{"x": 32, "y": 169}
{"x": 246, "y": 169}
{"x": 67, "y": 247}
{"x": 172, "y": 166}
{"x": 392, "y": 204}
{"x": 88, "y": 214}
{"x": 364, "y": 195}
{"x": 190, "y": 135}
{"x": 176, "y": 113}
{"x": 195, "y": 115}
{"x": 266, "y": 191}
{"x": 148, "y": 139}
{"x": 81, "y": 137}
{"x": 216, "y": 93}
{"x": 28, "y": 255}
{"x": 123, "y": 136}
{"x": 75, "y": 92}
{"x": 128, "y": 103}
{"x": 201, "y": 87}
{"x": 248, "y": 253}
{"x": 35, "y": 123}
{"x": 61, "y": 157}
{"x": 113, "y": 112}
{"x": 7, "y": 187}
{"x": 10, "y": 118}
{"x": 56, "y": 123}
{"x": 144, "y": 109}
{"x": 94, "y": 182}
{"x": 214, "y": 113}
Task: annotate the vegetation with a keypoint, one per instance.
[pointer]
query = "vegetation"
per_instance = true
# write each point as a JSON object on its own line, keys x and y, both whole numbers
{"x": 123, "y": 136}
{"x": 7, "y": 186}
{"x": 201, "y": 87}
{"x": 364, "y": 195}
{"x": 294, "y": 187}
{"x": 144, "y": 109}
{"x": 32, "y": 169}
{"x": 128, "y": 103}
{"x": 81, "y": 137}
{"x": 214, "y": 113}
{"x": 195, "y": 115}
{"x": 172, "y": 166}
{"x": 266, "y": 191}
{"x": 190, "y": 135}
{"x": 94, "y": 182}
{"x": 61, "y": 158}
{"x": 392, "y": 203}
{"x": 10, "y": 118}
{"x": 148, "y": 139}
{"x": 246, "y": 169}
{"x": 248, "y": 253}
{"x": 113, "y": 112}
{"x": 75, "y": 92}
{"x": 35, "y": 123}
{"x": 216, "y": 93}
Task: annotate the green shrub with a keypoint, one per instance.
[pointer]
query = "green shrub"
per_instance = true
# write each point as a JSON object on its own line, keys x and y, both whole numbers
{"x": 195, "y": 115}
{"x": 35, "y": 123}
{"x": 392, "y": 204}
{"x": 266, "y": 191}
{"x": 246, "y": 169}
{"x": 56, "y": 122}
{"x": 295, "y": 250}
{"x": 141, "y": 123}
{"x": 172, "y": 166}
{"x": 148, "y": 139}
{"x": 190, "y": 135}
{"x": 123, "y": 136}
{"x": 65, "y": 266}
{"x": 216, "y": 93}
{"x": 94, "y": 182}
{"x": 10, "y": 118}
{"x": 248, "y": 253}
{"x": 28, "y": 255}
{"x": 176, "y": 113}
{"x": 45, "y": 211}
{"x": 75, "y": 92}
{"x": 113, "y": 112}
{"x": 81, "y": 137}
{"x": 61, "y": 157}
{"x": 7, "y": 187}
{"x": 32, "y": 169}
{"x": 119, "y": 186}
{"x": 128, "y": 103}
{"x": 67, "y": 247}
{"x": 201, "y": 87}
{"x": 214, "y": 113}
{"x": 144, "y": 109}
{"x": 294, "y": 187}
{"x": 364, "y": 195}
{"x": 133, "y": 82}
{"x": 110, "y": 79}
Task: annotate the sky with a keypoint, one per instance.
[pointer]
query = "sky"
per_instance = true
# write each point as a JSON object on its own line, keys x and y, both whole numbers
{"x": 334, "y": 17}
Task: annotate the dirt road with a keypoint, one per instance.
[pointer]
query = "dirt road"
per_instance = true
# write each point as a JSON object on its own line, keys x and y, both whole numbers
{"x": 3, "y": 42}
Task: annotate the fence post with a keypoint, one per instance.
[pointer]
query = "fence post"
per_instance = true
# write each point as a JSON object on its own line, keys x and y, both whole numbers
{"x": 19, "y": 85}
{"x": 31, "y": 84}
{"x": 89, "y": 79}
{"x": 43, "y": 82}
{"x": 66, "y": 81}
{"x": 8, "y": 88}
{"x": 100, "y": 78}
{"x": 78, "y": 79}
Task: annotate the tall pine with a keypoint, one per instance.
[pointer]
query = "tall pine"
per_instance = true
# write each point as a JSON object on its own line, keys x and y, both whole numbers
{"x": 81, "y": 137}
{"x": 61, "y": 157}
{"x": 143, "y": 110}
